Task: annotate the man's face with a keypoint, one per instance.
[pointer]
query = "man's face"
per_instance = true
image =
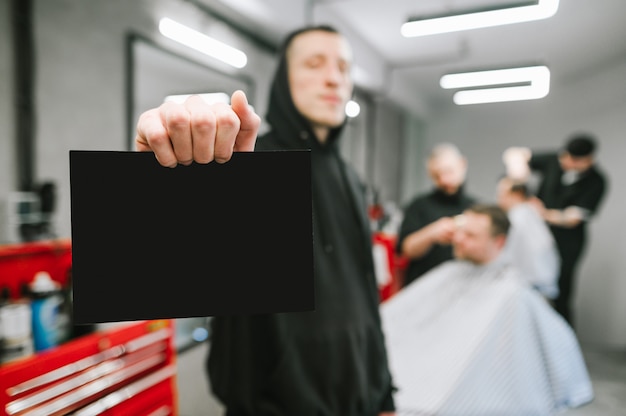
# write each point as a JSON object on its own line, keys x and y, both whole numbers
{"x": 447, "y": 172}
{"x": 319, "y": 77}
{"x": 473, "y": 240}
{"x": 577, "y": 164}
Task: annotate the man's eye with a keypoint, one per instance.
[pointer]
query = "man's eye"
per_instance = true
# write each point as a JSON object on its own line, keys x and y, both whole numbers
{"x": 314, "y": 63}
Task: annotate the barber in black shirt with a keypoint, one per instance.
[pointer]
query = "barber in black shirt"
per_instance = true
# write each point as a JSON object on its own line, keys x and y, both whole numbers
{"x": 570, "y": 191}
{"x": 428, "y": 223}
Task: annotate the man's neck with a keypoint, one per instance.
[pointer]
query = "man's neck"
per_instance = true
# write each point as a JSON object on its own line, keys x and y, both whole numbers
{"x": 321, "y": 133}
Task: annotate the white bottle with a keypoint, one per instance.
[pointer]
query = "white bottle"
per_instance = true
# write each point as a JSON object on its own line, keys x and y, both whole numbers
{"x": 49, "y": 324}
{"x": 15, "y": 326}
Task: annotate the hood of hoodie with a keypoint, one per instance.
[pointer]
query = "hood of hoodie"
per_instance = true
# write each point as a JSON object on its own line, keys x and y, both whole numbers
{"x": 287, "y": 125}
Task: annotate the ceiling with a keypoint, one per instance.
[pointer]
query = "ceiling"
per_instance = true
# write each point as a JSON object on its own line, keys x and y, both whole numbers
{"x": 580, "y": 39}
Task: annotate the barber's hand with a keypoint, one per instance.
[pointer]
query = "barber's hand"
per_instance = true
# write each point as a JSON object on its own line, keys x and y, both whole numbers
{"x": 516, "y": 161}
{"x": 443, "y": 230}
{"x": 198, "y": 131}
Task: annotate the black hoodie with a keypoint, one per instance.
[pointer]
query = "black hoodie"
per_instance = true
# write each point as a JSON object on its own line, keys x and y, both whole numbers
{"x": 330, "y": 362}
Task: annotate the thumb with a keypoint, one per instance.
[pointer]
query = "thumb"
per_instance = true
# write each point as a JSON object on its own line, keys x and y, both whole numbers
{"x": 250, "y": 122}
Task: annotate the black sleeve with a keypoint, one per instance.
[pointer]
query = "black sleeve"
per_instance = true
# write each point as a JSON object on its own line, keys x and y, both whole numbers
{"x": 411, "y": 222}
{"x": 541, "y": 161}
{"x": 388, "y": 404}
{"x": 592, "y": 195}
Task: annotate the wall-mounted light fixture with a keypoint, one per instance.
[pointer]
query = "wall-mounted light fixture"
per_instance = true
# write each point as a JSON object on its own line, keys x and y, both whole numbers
{"x": 352, "y": 109}
{"x": 202, "y": 43}
{"x": 511, "y": 84}
{"x": 474, "y": 19}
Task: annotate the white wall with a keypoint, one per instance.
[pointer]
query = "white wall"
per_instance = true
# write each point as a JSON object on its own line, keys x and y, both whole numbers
{"x": 595, "y": 103}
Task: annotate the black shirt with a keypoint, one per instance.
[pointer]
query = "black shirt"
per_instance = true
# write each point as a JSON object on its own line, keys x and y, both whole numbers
{"x": 422, "y": 211}
{"x": 586, "y": 192}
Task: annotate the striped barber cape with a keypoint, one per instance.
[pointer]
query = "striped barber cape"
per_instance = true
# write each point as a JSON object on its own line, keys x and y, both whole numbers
{"x": 468, "y": 340}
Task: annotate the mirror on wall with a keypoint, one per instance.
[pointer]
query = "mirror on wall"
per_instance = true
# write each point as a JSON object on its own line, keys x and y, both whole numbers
{"x": 155, "y": 73}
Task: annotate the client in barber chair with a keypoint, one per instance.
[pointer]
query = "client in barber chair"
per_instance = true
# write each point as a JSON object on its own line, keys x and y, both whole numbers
{"x": 473, "y": 337}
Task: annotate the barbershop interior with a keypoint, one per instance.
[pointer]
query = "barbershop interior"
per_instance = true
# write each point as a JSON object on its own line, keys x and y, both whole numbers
{"x": 471, "y": 335}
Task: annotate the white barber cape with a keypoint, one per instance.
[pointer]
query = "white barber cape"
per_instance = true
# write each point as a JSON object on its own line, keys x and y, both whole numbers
{"x": 531, "y": 248}
{"x": 467, "y": 340}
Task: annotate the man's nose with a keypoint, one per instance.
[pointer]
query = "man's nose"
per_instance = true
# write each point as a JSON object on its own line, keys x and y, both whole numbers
{"x": 333, "y": 74}
{"x": 457, "y": 237}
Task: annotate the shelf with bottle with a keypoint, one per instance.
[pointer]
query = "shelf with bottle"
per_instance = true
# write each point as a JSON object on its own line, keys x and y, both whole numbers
{"x": 35, "y": 299}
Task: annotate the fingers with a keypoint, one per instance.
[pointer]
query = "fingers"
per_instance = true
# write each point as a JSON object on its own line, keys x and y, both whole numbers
{"x": 203, "y": 128}
{"x": 443, "y": 230}
{"x": 177, "y": 120}
{"x": 250, "y": 122}
{"x": 153, "y": 135}
{"x": 228, "y": 125}
{"x": 197, "y": 131}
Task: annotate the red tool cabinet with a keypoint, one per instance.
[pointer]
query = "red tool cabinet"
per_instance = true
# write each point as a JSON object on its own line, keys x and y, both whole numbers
{"x": 127, "y": 370}
{"x": 20, "y": 262}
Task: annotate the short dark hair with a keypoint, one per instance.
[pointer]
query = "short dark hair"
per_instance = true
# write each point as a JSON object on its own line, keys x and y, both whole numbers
{"x": 313, "y": 28}
{"x": 520, "y": 188}
{"x": 581, "y": 145}
{"x": 517, "y": 186}
{"x": 500, "y": 223}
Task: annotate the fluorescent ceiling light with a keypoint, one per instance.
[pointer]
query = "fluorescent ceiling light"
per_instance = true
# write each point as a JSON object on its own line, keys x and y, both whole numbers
{"x": 493, "y": 77}
{"x": 526, "y": 12}
{"x": 202, "y": 43}
{"x": 536, "y": 80}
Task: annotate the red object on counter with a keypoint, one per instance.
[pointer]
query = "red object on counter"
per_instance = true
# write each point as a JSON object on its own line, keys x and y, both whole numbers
{"x": 127, "y": 370}
{"x": 20, "y": 262}
{"x": 397, "y": 265}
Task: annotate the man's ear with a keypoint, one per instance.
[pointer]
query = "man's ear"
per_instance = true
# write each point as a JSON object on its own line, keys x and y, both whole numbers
{"x": 500, "y": 241}
{"x": 464, "y": 163}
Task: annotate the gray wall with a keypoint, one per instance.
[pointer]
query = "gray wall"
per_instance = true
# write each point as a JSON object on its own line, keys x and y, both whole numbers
{"x": 388, "y": 147}
{"x": 81, "y": 84}
{"x": 81, "y": 104}
{"x": 80, "y": 70}
{"x": 7, "y": 148}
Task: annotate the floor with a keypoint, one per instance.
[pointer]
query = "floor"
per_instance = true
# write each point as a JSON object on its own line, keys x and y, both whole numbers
{"x": 606, "y": 368}
{"x": 608, "y": 376}
{"x": 194, "y": 397}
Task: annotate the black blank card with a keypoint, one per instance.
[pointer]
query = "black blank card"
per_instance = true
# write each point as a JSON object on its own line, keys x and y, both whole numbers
{"x": 150, "y": 242}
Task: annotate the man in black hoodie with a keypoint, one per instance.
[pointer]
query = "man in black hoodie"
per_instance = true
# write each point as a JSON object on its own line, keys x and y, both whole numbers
{"x": 333, "y": 361}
